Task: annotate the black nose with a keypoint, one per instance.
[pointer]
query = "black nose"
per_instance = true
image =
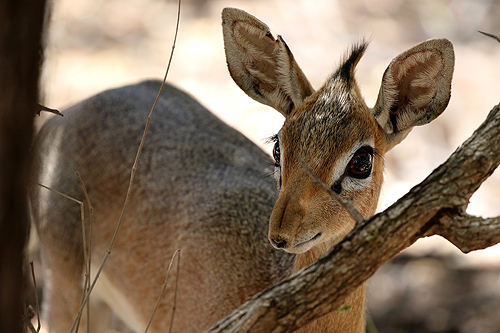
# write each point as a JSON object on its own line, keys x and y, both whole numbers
{"x": 278, "y": 242}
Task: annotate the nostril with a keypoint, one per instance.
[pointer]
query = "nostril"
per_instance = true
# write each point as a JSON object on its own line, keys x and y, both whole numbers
{"x": 280, "y": 245}
{"x": 278, "y": 242}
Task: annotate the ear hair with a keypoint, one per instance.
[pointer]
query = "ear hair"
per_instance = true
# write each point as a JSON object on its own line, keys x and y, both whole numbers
{"x": 415, "y": 88}
{"x": 263, "y": 67}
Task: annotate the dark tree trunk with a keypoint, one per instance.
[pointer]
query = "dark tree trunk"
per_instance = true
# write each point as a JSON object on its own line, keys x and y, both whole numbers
{"x": 21, "y": 25}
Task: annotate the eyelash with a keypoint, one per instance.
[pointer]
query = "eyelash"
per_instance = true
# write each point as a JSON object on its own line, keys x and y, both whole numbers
{"x": 276, "y": 151}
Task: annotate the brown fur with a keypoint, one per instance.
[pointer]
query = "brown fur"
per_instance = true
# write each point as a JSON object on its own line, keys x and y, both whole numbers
{"x": 200, "y": 186}
{"x": 325, "y": 129}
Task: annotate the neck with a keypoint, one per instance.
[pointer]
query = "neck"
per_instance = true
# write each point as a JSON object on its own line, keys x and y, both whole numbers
{"x": 346, "y": 321}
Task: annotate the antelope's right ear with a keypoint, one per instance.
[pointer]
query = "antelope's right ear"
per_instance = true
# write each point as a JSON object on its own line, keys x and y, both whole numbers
{"x": 263, "y": 67}
{"x": 415, "y": 88}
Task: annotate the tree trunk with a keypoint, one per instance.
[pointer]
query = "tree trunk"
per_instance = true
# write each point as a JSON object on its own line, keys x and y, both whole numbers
{"x": 21, "y": 25}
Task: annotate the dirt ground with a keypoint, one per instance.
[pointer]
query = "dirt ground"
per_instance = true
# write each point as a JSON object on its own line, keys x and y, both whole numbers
{"x": 431, "y": 287}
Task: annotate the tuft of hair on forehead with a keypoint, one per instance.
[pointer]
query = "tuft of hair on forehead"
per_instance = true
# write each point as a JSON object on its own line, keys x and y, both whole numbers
{"x": 340, "y": 92}
{"x": 345, "y": 72}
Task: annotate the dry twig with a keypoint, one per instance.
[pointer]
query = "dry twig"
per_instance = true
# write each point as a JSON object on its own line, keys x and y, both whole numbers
{"x": 174, "y": 306}
{"x": 37, "y": 303}
{"x": 132, "y": 173}
{"x": 164, "y": 288}
{"x": 490, "y": 35}
{"x": 87, "y": 249}
{"x": 27, "y": 320}
{"x": 40, "y": 108}
{"x": 346, "y": 204}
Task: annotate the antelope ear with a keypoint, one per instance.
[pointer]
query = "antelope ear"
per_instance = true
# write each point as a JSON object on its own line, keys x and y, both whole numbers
{"x": 263, "y": 67}
{"x": 415, "y": 88}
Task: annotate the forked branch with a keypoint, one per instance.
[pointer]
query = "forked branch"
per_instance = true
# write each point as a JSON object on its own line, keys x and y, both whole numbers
{"x": 436, "y": 205}
{"x": 466, "y": 232}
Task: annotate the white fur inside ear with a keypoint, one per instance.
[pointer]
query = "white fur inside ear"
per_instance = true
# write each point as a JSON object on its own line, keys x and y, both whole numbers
{"x": 257, "y": 62}
{"x": 417, "y": 78}
{"x": 262, "y": 66}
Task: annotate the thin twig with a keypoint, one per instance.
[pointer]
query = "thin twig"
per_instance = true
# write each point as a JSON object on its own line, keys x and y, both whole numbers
{"x": 87, "y": 246}
{"x": 164, "y": 288}
{"x": 346, "y": 204}
{"x": 132, "y": 174}
{"x": 40, "y": 108}
{"x": 64, "y": 195}
{"x": 174, "y": 307}
{"x": 37, "y": 304}
{"x": 27, "y": 321}
{"x": 490, "y": 35}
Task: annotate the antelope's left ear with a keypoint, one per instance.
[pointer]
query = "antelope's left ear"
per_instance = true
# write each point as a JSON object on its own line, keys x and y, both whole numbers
{"x": 415, "y": 88}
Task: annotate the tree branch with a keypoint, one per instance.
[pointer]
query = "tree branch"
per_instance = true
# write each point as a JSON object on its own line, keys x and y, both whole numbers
{"x": 466, "y": 232}
{"x": 428, "y": 207}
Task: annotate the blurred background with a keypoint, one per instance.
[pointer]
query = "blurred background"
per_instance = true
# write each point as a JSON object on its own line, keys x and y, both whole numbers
{"x": 431, "y": 287}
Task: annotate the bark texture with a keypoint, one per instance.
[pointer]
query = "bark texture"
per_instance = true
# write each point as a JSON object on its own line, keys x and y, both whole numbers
{"x": 21, "y": 24}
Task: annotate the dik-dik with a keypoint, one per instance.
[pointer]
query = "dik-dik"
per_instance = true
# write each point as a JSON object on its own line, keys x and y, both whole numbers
{"x": 202, "y": 187}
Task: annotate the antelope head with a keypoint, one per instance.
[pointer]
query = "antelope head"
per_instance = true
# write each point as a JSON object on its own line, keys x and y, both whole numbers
{"x": 332, "y": 130}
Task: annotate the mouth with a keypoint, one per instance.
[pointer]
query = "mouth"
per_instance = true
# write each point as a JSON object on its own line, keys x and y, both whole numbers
{"x": 304, "y": 245}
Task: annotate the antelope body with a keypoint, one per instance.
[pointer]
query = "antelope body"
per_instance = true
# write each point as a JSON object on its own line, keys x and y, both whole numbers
{"x": 201, "y": 185}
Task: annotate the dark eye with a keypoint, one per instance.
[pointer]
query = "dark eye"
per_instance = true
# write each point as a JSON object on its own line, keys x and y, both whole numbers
{"x": 276, "y": 154}
{"x": 360, "y": 166}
